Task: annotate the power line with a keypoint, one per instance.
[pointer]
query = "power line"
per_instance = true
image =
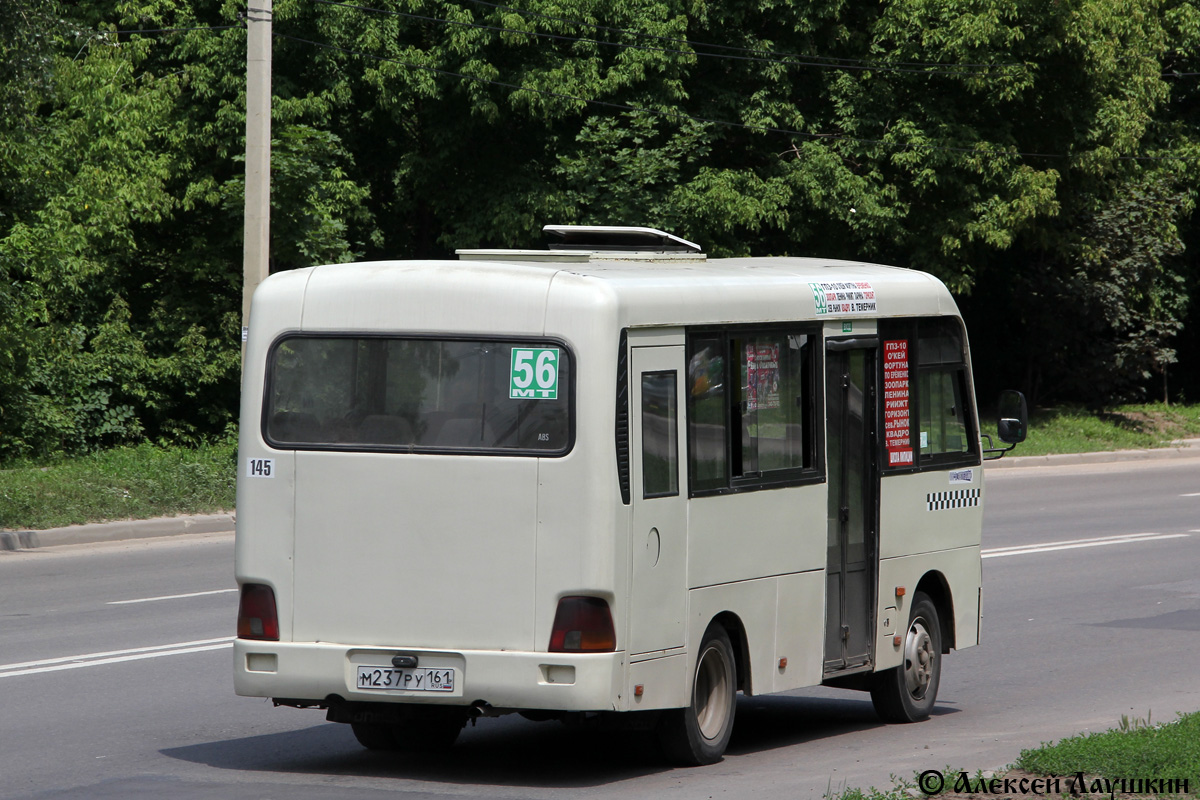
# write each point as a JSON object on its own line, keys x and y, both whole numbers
{"x": 786, "y": 59}
{"x": 575, "y": 98}
{"x": 777, "y": 57}
{"x": 179, "y": 30}
{"x": 714, "y": 46}
{"x": 834, "y": 62}
{"x": 675, "y": 115}
{"x": 563, "y": 95}
{"x": 868, "y": 64}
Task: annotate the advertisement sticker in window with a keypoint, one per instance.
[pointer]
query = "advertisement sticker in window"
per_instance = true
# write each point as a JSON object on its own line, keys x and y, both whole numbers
{"x": 762, "y": 376}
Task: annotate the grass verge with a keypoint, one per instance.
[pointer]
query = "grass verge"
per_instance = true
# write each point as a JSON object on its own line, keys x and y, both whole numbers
{"x": 1133, "y": 427}
{"x": 125, "y": 483}
{"x": 1087, "y": 766}
{"x": 1136, "y": 750}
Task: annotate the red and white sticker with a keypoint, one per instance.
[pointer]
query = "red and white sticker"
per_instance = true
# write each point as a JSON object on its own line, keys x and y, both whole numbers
{"x": 897, "y": 427}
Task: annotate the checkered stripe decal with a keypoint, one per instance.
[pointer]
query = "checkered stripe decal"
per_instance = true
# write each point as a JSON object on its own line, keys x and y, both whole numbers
{"x": 957, "y": 498}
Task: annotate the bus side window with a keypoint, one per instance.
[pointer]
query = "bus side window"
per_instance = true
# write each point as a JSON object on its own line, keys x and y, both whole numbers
{"x": 773, "y": 403}
{"x": 942, "y": 372}
{"x": 660, "y": 448}
{"x": 707, "y": 417}
{"x": 943, "y": 416}
{"x": 751, "y": 408}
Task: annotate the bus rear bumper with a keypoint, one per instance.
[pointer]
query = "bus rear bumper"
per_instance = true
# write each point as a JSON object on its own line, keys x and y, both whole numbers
{"x": 310, "y": 671}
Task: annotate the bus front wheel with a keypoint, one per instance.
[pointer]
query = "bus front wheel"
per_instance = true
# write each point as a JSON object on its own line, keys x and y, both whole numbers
{"x": 907, "y": 693}
{"x": 698, "y": 734}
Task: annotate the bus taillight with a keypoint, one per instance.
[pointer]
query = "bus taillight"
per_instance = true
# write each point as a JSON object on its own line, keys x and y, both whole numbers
{"x": 258, "y": 617}
{"x": 583, "y": 625}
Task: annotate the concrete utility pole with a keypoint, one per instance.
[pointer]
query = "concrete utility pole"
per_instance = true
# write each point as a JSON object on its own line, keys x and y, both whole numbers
{"x": 257, "y": 246}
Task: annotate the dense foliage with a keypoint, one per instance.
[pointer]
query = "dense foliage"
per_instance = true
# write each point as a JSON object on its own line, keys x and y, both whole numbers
{"x": 1040, "y": 156}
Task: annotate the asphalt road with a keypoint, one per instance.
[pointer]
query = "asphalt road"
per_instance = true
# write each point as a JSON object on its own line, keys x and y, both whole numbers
{"x": 115, "y": 672}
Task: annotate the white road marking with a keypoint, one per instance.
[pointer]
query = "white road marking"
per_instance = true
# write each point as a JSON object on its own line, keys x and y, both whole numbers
{"x": 113, "y": 657}
{"x": 168, "y": 597}
{"x": 204, "y": 645}
{"x": 1072, "y": 544}
{"x": 1193, "y": 494}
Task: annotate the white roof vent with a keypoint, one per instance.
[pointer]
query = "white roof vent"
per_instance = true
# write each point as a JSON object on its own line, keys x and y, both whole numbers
{"x": 615, "y": 238}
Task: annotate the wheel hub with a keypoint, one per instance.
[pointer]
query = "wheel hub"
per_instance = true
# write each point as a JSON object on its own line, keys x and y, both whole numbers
{"x": 712, "y": 690}
{"x": 918, "y": 659}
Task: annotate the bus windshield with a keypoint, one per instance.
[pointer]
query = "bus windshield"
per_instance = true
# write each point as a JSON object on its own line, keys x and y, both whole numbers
{"x": 418, "y": 395}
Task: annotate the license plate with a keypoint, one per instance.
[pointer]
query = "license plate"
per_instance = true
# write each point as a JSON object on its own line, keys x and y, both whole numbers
{"x": 420, "y": 679}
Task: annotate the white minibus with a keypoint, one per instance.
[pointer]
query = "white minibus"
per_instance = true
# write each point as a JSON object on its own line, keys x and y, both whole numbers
{"x": 611, "y": 480}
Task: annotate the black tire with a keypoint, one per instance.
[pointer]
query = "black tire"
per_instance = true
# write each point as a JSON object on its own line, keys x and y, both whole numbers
{"x": 375, "y": 735}
{"x": 430, "y": 728}
{"x": 907, "y": 693}
{"x": 418, "y": 728}
{"x": 699, "y": 734}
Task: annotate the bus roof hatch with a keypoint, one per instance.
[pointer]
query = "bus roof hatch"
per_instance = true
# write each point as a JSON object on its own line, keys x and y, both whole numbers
{"x": 615, "y": 238}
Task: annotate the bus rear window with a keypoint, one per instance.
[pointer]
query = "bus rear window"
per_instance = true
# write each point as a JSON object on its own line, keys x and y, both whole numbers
{"x": 418, "y": 395}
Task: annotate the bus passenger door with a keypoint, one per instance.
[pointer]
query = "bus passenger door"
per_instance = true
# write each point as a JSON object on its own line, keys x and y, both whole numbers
{"x": 853, "y": 532}
{"x": 658, "y": 538}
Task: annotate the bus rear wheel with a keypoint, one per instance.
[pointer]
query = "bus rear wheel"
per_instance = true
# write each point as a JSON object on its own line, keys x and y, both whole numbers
{"x": 698, "y": 734}
{"x": 375, "y": 735}
{"x": 907, "y": 693}
{"x": 420, "y": 728}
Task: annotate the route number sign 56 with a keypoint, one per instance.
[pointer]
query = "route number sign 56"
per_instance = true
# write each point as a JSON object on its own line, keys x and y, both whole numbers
{"x": 534, "y": 373}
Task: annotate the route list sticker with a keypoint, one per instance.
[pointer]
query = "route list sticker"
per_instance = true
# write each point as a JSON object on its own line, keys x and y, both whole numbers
{"x": 844, "y": 297}
{"x": 897, "y": 426}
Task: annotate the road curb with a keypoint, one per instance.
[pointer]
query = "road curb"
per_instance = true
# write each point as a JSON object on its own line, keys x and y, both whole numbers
{"x": 216, "y": 523}
{"x": 1183, "y": 448}
{"x": 120, "y": 530}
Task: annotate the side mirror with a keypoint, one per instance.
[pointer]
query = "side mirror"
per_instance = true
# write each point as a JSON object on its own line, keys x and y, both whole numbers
{"x": 1014, "y": 417}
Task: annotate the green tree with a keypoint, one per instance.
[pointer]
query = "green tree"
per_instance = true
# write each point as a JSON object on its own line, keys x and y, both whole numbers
{"x": 122, "y": 223}
{"x": 1038, "y": 156}
{"x": 82, "y": 174}
{"x": 994, "y": 144}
